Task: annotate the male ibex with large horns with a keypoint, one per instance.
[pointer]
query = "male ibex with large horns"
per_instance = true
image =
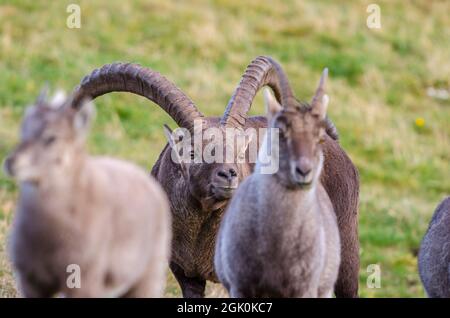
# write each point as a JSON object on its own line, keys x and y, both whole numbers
{"x": 199, "y": 192}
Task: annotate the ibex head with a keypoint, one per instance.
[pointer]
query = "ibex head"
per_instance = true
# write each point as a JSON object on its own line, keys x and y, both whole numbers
{"x": 212, "y": 160}
{"x": 52, "y": 137}
{"x": 301, "y": 133}
{"x": 209, "y": 182}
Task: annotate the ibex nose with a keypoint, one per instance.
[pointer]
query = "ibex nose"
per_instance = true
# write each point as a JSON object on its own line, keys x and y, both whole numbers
{"x": 304, "y": 167}
{"x": 228, "y": 174}
{"x": 225, "y": 182}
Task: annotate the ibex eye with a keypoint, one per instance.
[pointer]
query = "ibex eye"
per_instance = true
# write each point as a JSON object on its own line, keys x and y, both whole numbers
{"x": 49, "y": 140}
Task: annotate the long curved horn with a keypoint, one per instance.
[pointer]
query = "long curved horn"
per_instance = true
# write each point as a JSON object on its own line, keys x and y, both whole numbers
{"x": 136, "y": 79}
{"x": 260, "y": 72}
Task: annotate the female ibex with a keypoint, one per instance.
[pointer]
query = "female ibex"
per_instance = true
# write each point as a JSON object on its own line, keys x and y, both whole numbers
{"x": 279, "y": 236}
{"x": 196, "y": 204}
{"x": 102, "y": 220}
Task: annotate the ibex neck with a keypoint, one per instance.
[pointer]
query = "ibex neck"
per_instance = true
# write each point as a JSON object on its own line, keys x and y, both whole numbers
{"x": 295, "y": 200}
{"x": 60, "y": 179}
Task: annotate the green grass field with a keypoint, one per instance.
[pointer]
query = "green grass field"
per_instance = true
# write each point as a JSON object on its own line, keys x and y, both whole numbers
{"x": 378, "y": 89}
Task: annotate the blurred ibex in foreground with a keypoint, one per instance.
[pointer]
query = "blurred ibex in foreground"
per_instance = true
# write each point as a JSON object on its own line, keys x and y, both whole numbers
{"x": 105, "y": 216}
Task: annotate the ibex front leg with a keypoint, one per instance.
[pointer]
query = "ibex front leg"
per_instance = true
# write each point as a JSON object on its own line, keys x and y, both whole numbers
{"x": 191, "y": 287}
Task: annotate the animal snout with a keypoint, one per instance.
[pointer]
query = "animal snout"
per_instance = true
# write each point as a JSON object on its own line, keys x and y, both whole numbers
{"x": 303, "y": 168}
{"x": 302, "y": 171}
{"x": 227, "y": 174}
{"x": 224, "y": 183}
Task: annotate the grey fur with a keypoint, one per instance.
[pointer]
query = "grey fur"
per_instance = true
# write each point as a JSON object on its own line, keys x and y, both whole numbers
{"x": 434, "y": 254}
{"x": 279, "y": 236}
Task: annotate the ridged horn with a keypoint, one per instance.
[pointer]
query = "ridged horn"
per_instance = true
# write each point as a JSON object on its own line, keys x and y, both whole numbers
{"x": 260, "y": 72}
{"x": 136, "y": 79}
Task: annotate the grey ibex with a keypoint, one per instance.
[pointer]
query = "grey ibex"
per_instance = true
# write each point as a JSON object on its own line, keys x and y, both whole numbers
{"x": 279, "y": 235}
{"x": 198, "y": 193}
{"x": 85, "y": 226}
{"x": 434, "y": 254}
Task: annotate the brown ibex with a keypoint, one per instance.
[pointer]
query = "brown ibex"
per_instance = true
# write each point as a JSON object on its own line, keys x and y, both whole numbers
{"x": 279, "y": 235}
{"x": 198, "y": 198}
{"x": 434, "y": 253}
{"x": 102, "y": 220}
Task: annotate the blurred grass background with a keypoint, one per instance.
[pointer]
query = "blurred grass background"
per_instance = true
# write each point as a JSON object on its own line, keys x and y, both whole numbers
{"x": 397, "y": 135}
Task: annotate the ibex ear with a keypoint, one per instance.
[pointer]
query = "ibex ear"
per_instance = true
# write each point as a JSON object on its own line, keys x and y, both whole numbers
{"x": 271, "y": 103}
{"x": 58, "y": 99}
{"x": 175, "y": 150}
{"x": 83, "y": 117}
{"x": 169, "y": 136}
{"x": 42, "y": 98}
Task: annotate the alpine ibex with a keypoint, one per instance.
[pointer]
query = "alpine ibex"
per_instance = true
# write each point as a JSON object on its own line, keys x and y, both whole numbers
{"x": 279, "y": 235}
{"x": 198, "y": 198}
{"x": 102, "y": 219}
{"x": 434, "y": 254}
